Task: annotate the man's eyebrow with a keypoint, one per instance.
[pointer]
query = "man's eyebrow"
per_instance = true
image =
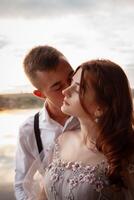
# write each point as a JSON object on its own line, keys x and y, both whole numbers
{"x": 59, "y": 82}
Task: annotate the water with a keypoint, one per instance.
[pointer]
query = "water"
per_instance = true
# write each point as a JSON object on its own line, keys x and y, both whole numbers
{"x": 10, "y": 122}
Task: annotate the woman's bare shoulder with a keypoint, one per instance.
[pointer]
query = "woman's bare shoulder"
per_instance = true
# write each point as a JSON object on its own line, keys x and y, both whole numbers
{"x": 66, "y": 136}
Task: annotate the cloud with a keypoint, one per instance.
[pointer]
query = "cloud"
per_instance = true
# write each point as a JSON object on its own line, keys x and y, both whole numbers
{"x": 40, "y": 8}
{"x": 3, "y": 42}
{"x": 34, "y": 8}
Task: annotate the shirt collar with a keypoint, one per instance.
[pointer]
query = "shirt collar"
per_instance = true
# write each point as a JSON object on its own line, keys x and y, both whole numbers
{"x": 46, "y": 118}
{"x": 44, "y": 113}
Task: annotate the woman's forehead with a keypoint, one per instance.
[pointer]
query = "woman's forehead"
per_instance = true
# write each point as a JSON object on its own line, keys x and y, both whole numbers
{"x": 77, "y": 75}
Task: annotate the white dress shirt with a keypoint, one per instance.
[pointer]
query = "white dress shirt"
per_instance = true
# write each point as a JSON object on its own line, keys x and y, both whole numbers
{"x": 27, "y": 150}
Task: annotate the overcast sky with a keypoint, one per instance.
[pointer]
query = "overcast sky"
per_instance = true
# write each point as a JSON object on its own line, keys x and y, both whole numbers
{"x": 81, "y": 29}
{"x": 39, "y": 8}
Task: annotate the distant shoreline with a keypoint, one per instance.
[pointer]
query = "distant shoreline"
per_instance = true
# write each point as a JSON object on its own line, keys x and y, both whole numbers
{"x": 22, "y": 101}
{"x": 19, "y": 101}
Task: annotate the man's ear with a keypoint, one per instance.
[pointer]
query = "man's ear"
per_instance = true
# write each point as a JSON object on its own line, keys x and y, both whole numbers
{"x": 38, "y": 93}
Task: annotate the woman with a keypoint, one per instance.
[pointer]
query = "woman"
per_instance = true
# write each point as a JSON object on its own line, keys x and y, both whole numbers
{"x": 97, "y": 161}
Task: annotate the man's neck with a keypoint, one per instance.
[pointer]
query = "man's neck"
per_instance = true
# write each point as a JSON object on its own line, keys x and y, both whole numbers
{"x": 57, "y": 115}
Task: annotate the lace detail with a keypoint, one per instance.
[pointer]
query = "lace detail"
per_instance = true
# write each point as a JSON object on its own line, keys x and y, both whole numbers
{"x": 73, "y": 180}
{"x": 80, "y": 174}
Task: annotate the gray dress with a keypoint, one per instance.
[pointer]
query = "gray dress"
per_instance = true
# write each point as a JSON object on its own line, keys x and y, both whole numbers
{"x": 75, "y": 181}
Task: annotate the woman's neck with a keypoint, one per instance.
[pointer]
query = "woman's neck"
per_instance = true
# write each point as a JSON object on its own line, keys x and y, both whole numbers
{"x": 88, "y": 131}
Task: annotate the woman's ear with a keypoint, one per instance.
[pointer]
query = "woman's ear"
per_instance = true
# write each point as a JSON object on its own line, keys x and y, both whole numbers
{"x": 38, "y": 93}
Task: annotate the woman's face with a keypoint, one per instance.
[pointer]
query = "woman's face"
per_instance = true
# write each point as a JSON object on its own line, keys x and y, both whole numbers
{"x": 71, "y": 104}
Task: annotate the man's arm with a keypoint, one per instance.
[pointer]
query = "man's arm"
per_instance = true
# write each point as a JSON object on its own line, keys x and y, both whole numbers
{"x": 24, "y": 159}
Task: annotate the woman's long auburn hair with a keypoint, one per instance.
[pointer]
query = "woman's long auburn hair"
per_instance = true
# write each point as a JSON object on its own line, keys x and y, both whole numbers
{"x": 116, "y": 138}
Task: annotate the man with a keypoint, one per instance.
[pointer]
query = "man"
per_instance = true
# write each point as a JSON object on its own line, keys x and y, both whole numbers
{"x": 49, "y": 72}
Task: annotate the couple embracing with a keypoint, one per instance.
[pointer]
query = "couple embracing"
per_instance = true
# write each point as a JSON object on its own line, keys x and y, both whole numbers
{"x": 82, "y": 141}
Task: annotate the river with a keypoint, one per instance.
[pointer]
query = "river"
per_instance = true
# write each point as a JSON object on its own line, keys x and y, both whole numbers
{"x": 10, "y": 122}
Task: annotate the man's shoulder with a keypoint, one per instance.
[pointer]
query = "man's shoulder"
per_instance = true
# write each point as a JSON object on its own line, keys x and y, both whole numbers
{"x": 27, "y": 126}
{"x": 29, "y": 121}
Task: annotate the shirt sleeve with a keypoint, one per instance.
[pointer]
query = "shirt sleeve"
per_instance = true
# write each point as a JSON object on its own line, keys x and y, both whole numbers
{"x": 34, "y": 180}
{"x": 23, "y": 161}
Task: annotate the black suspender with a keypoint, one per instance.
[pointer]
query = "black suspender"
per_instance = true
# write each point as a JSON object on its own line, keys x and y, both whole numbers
{"x": 37, "y": 132}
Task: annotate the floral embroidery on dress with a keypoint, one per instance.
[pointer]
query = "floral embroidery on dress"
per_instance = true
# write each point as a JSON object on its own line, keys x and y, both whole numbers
{"x": 79, "y": 174}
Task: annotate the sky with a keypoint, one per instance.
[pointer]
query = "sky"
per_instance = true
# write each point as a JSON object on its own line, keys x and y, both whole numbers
{"x": 81, "y": 29}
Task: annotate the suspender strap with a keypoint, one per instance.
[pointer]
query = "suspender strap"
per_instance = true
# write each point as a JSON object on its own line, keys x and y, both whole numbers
{"x": 37, "y": 132}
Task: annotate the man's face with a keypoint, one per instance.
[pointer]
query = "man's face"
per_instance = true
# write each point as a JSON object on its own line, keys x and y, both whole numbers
{"x": 52, "y": 83}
